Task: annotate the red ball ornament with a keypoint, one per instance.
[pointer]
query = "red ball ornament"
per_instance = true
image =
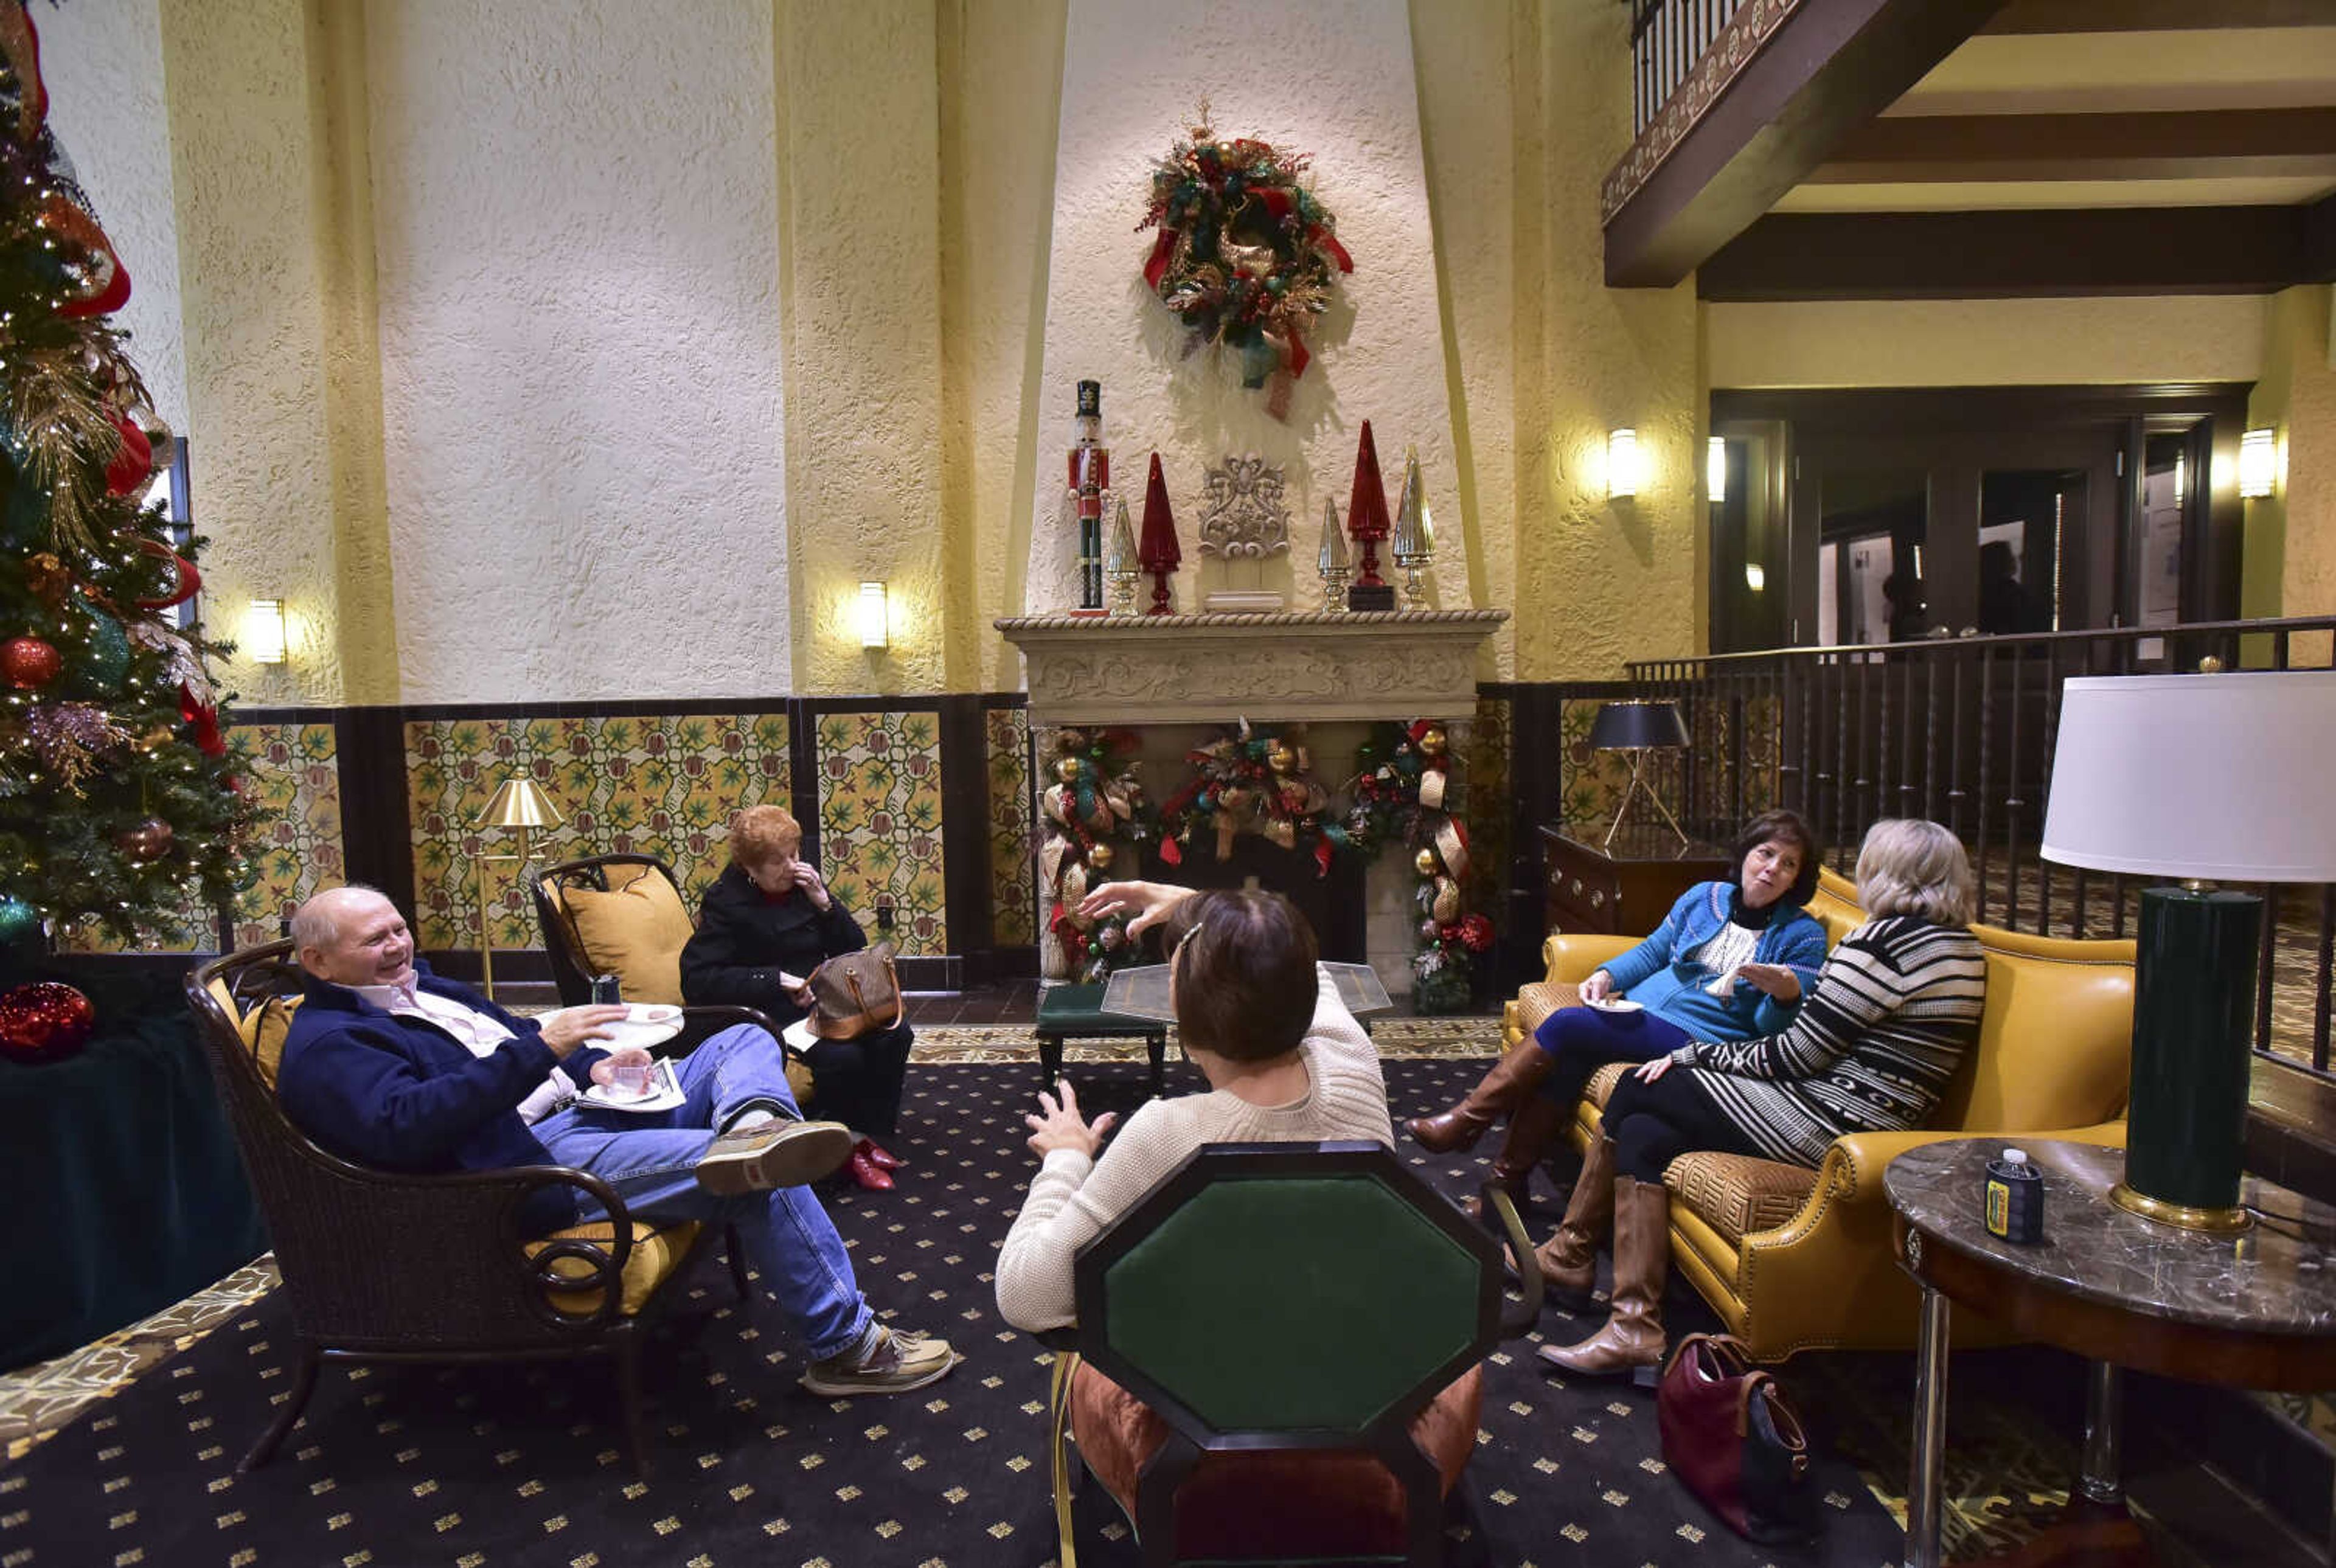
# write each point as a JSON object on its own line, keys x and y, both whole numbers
{"x": 147, "y": 842}
{"x": 44, "y": 1022}
{"x": 27, "y": 662}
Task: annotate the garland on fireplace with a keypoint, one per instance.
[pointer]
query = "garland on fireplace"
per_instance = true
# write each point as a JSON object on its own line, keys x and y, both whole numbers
{"x": 1253, "y": 780}
{"x": 1403, "y": 793}
{"x": 1094, "y": 807}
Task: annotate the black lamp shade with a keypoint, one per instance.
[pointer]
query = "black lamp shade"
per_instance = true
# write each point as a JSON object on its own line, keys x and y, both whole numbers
{"x": 1629, "y": 725}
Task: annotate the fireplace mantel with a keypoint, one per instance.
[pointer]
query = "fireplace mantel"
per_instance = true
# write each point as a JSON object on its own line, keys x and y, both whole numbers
{"x": 1282, "y": 667}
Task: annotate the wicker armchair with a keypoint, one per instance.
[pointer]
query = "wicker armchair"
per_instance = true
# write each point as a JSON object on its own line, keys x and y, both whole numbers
{"x": 382, "y": 1266}
{"x": 624, "y": 914}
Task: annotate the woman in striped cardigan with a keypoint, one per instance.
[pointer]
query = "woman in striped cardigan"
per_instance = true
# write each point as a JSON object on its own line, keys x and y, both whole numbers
{"x": 1895, "y": 1008}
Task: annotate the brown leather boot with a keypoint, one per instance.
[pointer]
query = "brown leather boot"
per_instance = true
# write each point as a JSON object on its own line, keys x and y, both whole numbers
{"x": 1509, "y": 1085}
{"x": 1569, "y": 1259}
{"x": 1534, "y": 1127}
{"x": 1633, "y": 1336}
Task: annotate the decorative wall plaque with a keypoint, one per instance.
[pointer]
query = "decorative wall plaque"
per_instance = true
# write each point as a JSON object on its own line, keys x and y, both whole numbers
{"x": 1243, "y": 513}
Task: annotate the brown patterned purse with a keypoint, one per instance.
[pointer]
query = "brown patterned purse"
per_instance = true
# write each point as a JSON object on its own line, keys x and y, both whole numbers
{"x": 855, "y": 993}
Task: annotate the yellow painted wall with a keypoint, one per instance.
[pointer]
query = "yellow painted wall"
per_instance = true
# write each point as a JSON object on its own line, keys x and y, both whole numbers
{"x": 2290, "y": 562}
{"x": 268, "y": 163}
{"x": 1598, "y": 582}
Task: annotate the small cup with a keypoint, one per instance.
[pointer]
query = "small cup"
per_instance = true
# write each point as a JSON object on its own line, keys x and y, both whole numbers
{"x": 631, "y": 1080}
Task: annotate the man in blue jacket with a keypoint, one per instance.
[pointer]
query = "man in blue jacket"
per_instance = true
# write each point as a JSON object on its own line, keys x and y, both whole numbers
{"x": 388, "y": 1066}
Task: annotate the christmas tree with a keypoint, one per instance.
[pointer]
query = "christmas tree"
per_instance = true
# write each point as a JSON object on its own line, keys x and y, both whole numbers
{"x": 117, "y": 798}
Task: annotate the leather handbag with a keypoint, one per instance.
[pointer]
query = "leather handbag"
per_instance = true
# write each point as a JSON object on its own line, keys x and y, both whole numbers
{"x": 852, "y": 994}
{"x": 1731, "y": 1435}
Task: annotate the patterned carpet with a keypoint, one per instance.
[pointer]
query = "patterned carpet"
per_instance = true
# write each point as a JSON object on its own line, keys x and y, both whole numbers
{"x": 523, "y": 1465}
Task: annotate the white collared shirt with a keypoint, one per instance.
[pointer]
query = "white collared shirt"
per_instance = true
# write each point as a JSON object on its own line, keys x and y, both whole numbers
{"x": 480, "y": 1032}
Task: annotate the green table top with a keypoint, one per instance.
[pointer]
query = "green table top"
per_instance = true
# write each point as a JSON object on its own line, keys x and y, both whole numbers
{"x": 1079, "y": 1009}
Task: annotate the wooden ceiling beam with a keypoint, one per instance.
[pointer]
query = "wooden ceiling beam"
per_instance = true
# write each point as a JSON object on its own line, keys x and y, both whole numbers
{"x": 1827, "y": 68}
{"x": 2154, "y": 15}
{"x": 2024, "y": 253}
{"x": 2217, "y": 143}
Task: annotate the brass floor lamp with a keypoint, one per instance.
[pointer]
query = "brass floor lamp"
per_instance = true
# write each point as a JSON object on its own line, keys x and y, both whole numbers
{"x": 519, "y": 804}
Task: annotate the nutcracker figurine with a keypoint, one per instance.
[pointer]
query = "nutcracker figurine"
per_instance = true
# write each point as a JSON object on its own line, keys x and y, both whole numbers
{"x": 1090, "y": 477}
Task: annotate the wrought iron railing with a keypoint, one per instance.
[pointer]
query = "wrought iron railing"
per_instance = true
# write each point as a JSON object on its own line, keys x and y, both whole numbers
{"x": 1667, "y": 38}
{"x": 1961, "y": 730}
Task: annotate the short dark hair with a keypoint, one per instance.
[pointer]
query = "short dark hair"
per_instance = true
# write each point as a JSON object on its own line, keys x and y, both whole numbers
{"x": 1245, "y": 986}
{"x": 1794, "y": 828}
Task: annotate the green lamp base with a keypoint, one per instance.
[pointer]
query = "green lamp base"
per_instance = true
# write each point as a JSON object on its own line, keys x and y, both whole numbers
{"x": 2193, "y": 1009}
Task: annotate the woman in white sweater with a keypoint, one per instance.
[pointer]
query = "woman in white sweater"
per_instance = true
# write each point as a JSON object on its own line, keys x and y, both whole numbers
{"x": 1285, "y": 1062}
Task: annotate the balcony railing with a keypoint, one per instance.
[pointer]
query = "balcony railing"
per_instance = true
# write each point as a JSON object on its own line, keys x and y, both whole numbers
{"x": 1667, "y": 38}
{"x": 1963, "y": 731}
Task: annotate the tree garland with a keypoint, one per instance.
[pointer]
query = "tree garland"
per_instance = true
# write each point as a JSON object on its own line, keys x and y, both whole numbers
{"x": 1095, "y": 803}
{"x": 1402, "y": 794}
{"x": 1245, "y": 254}
{"x": 1255, "y": 780}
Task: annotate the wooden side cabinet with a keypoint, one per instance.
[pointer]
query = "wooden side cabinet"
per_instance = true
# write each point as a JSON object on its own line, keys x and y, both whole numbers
{"x": 1624, "y": 891}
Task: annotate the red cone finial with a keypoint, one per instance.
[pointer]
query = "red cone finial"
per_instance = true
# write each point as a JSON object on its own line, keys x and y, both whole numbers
{"x": 1156, "y": 551}
{"x": 1366, "y": 512}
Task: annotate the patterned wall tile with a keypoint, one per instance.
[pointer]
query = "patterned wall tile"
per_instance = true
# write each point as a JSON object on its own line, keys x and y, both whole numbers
{"x": 1013, "y": 878}
{"x": 294, "y": 771}
{"x": 664, "y": 785}
{"x": 1591, "y": 781}
{"x": 879, "y": 820}
{"x": 290, "y": 769}
{"x": 1486, "y": 775}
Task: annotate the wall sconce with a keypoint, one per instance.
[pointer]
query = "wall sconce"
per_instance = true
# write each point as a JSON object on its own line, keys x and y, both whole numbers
{"x": 2258, "y": 462}
{"x": 874, "y": 631}
{"x": 1755, "y": 576}
{"x": 1714, "y": 471}
{"x": 1622, "y": 463}
{"x": 263, "y": 631}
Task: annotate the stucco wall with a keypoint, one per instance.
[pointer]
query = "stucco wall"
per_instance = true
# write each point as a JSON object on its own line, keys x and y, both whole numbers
{"x": 575, "y": 212}
{"x": 1128, "y": 92}
{"x": 1598, "y": 581}
{"x": 2289, "y": 557}
{"x": 1986, "y": 342}
{"x": 104, "y": 68}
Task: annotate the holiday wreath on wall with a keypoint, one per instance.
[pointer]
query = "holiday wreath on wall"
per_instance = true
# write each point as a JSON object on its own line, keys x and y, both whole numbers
{"x": 1245, "y": 255}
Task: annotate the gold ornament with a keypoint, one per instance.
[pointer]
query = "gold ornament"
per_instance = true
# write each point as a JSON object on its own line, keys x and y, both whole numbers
{"x": 1281, "y": 832}
{"x": 1280, "y": 757}
{"x": 46, "y": 576}
{"x": 1100, "y": 857}
{"x": 1433, "y": 741}
{"x": 1426, "y": 861}
{"x": 1069, "y": 769}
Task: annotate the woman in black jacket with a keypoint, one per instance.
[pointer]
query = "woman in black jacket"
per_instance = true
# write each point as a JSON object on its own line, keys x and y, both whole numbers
{"x": 768, "y": 920}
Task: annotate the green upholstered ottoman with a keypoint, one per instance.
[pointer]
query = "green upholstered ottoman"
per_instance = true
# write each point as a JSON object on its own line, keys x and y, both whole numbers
{"x": 1076, "y": 1012}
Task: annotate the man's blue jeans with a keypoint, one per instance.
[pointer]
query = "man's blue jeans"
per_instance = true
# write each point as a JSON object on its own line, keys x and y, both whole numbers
{"x": 650, "y": 1159}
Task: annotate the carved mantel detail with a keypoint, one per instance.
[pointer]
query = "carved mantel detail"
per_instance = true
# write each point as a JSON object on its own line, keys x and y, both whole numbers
{"x": 1209, "y": 668}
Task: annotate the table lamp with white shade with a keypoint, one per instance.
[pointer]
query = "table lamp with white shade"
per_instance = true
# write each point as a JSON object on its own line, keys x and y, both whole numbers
{"x": 2196, "y": 779}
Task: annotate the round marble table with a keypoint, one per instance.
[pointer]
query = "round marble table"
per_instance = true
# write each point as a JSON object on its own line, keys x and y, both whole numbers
{"x": 2256, "y": 1309}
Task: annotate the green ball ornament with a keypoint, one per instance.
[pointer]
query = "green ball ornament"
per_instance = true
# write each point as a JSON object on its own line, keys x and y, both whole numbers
{"x": 101, "y": 670}
{"x": 20, "y": 924}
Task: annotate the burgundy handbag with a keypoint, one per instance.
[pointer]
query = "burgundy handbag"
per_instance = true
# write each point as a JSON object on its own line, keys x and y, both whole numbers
{"x": 1731, "y": 1436}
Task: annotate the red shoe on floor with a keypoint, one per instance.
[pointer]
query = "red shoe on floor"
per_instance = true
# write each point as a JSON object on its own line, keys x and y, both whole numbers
{"x": 878, "y": 1155}
{"x": 866, "y": 1172}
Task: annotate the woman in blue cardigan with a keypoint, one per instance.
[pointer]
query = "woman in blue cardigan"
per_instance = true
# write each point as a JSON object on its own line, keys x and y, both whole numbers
{"x": 1731, "y": 962}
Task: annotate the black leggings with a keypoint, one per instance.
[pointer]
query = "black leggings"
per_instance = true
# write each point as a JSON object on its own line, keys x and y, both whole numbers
{"x": 858, "y": 1082}
{"x": 1654, "y": 1124}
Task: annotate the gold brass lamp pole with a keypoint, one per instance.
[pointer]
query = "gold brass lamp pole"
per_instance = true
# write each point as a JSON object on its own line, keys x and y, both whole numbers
{"x": 517, "y": 804}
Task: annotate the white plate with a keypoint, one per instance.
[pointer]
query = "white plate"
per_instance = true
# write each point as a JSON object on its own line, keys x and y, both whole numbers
{"x": 666, "y": 1092}
{"x": 645, "y": 1024}
{"x": 798, "y": 1035}
{"x": 1616, "y": 1005}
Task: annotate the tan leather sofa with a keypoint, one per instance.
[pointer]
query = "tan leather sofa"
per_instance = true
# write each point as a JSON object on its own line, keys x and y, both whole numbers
{"x": 1798, "y": 1260}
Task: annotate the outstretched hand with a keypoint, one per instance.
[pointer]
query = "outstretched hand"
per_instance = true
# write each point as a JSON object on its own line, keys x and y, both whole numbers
{"x": 1058, "y": 1125}
{"x": 1151, "y": 902}
{"x": 569, "y": 1028}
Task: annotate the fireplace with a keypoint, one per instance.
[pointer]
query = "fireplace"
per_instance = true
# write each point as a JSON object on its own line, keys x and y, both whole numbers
{"x": 1164, "y": 675}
